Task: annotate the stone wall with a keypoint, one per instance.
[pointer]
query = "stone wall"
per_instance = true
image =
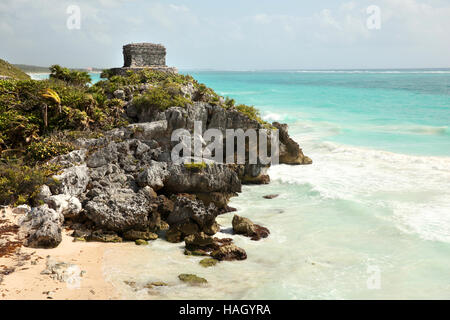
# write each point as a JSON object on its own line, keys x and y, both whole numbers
{"x": 144, "y": 55}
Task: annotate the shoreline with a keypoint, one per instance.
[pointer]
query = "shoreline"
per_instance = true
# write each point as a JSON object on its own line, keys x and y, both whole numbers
{"x": 26, "y": 281}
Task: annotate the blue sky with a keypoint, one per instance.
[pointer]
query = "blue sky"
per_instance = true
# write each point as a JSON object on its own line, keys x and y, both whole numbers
{"x": 230, "y": 35}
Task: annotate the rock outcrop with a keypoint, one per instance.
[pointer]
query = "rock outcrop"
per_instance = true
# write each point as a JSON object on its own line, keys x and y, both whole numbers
{"x": 44, "y": 227}
{"x": 125, "y": 186}
{"x": 247, "y": 228}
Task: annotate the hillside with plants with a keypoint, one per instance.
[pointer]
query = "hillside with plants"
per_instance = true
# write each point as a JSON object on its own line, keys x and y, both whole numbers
{"x": 41, "y": 119}
{"x": 8, "y": 70}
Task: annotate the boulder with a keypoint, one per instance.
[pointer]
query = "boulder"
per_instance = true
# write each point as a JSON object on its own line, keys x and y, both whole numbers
{"x": 154, "y": 176}
{"x": 66, "y": 204}
{"x": 290, "y": 152}
{"x": 72, "y": 181}
{"x": 198, "y": 240}
{"x": 43, "y": 226}
{"x": 121, "y": 210}
{"x": 229, "y": 253}
{"x": 247, "y": 228}
{"x": 212, "y": 178}
{"x": 187, "y": 210}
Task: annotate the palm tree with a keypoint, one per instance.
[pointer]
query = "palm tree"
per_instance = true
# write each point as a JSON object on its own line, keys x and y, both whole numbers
{"x": 54, "y": 97}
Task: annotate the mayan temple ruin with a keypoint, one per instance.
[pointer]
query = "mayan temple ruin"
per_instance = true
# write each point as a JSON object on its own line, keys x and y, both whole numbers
{"x": 138, "y": 56}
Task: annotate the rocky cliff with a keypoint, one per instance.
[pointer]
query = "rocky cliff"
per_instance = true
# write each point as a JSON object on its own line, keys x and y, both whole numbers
{"x": 124, "y": 184}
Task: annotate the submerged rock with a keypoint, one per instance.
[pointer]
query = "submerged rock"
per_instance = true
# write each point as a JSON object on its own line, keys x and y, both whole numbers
{"x": 192, "y": 279}
{"x": 208, "y": 262}
{"x": 270, "y": 196}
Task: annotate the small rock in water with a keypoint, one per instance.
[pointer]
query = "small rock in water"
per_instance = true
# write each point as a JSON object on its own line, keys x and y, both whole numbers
{"x": 208, "y": 262}
{"x": 229, "y": 253}
{"x": 192, "y": 279}
{"x": 247, "y": 228}
{"x": 141, "y": 242}
{"x": 198, "y": 252}
{"x": 150, "y": 285}
{"x": 270, "y": 196}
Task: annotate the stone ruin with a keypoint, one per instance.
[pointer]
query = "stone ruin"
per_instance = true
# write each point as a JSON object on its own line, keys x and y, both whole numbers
{"x": 139, "y": 56}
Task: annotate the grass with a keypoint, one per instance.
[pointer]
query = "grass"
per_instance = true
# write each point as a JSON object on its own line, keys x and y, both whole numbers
{"x": 7, "y": 69}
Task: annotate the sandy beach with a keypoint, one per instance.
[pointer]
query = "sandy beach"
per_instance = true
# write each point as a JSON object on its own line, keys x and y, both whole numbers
{"x": 21, "y": 270}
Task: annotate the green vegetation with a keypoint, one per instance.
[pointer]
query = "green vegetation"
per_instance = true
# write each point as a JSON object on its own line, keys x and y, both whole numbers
{"x": 208, "y": 262}
{"x": 160, "y": 98}
{"x": 11, "y": 71}
{"x": 40, "y": 119}
{"x": 195, "y": 166}
{"x": 47, "y": 149}
{"x": 72, "y": 77}
{"x": 20, "y": 183}
{"x": 31, "y": 69}
{"x": 192, "y": 279}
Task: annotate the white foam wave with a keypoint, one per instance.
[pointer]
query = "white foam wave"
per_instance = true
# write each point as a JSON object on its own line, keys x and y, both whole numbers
{"x": 416, "y": 189}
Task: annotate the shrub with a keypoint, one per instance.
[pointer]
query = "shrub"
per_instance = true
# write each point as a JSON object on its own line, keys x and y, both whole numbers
{"x": 47, "y": 149}
{"x": 161, "y": 99}
{"x": 19, "y": 183}
{"x": 72, "y": 77}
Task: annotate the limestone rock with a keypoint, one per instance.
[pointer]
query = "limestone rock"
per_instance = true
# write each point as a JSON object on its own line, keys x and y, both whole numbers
{"x": 72, "y": 181}
{"x": 229, "y": 253}
{"x": 101, "y": 236}
{"x": 22, "y": 209}
{"x": 192, "y": 279}
{"x": 44, "y": 227}
{"x": 290, "y": 152}
{"x": 174, "y": 235}
{"x": 186, "y": 209}
{"x": 120, "y": 211}
{"x": 247, "y": 228}
{"x": 198, "y": 240}
{"x": 66, "y": 204}
{"x": 133, "y": 235}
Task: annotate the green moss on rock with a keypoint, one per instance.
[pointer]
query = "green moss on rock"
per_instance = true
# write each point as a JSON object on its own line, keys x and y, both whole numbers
{"x": 192, "y": 279}
{"x": 208, "y": 262}
{"x": 141, "y": 242}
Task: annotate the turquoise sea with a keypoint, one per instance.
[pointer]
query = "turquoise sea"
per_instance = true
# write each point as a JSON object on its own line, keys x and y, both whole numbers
{"x": 369, "y": 219}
